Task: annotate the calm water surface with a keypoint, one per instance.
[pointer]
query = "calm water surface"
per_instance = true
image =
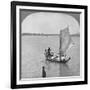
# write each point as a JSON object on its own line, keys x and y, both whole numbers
{"x": 33, "y": 58}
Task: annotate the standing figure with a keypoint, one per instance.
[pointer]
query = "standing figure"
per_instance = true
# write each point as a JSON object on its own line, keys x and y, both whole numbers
{"x": 49, "y": 51}
{"x": 50, "y": 54}
{"x": 43, "y": 72}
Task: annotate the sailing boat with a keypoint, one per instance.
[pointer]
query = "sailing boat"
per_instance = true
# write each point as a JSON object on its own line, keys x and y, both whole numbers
{"x": 65, "y": 44}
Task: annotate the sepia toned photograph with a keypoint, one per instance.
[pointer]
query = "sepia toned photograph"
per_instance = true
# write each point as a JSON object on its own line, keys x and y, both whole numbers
{"x": 49, "y": 44}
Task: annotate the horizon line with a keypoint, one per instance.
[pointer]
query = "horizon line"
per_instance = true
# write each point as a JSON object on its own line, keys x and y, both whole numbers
{"x": 42, "y": 34}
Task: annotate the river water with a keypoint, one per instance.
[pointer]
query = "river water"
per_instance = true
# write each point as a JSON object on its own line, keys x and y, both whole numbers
{"x": 33, "y": 59}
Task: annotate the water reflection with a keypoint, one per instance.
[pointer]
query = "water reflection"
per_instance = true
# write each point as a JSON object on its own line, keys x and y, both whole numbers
{"x": 33, "y": 58}
{"x": 57, "y": 69}
{"x": 65, "y": 69}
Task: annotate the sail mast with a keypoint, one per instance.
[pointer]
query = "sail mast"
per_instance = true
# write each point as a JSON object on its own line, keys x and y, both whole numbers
{"x": 60, "y": 46}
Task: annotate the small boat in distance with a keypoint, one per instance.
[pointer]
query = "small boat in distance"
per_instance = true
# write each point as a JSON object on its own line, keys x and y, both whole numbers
{"x": 65, "y": 44}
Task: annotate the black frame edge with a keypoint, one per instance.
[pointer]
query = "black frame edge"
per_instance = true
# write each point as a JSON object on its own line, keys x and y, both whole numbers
{"x": 13, "y": 44}
{"x": 42, "y": 4}
{"x": 86, "y": 44}
{"x": 50, "y": 84}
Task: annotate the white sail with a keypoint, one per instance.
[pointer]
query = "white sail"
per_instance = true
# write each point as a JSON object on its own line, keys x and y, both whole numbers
{"x": 70, "y": 46}
{"x": 65, "y": 40}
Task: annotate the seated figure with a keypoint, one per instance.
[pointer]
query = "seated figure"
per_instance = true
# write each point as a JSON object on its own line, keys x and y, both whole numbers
{"x": 48, "y": 53}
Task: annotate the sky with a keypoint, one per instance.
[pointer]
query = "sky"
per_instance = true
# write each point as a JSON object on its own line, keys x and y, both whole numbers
{"x": 49, "y": 22}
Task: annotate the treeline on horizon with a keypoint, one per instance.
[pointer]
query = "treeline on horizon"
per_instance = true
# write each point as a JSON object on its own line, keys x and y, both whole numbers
{"x": 41, "y": 34}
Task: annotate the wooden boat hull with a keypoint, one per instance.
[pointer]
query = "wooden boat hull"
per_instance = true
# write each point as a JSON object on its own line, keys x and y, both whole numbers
{"x": 55, "y": 61}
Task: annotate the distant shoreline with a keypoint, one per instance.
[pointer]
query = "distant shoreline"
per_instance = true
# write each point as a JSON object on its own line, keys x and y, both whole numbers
{"x": 30, "y": 34}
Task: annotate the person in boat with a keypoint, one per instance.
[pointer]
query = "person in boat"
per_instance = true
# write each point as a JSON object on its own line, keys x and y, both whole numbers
{"x": 46, "y": 54}
{"x": 50, "y": 54}
{"x": 63, "y": 57}
{"x": 49, "y": 51}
